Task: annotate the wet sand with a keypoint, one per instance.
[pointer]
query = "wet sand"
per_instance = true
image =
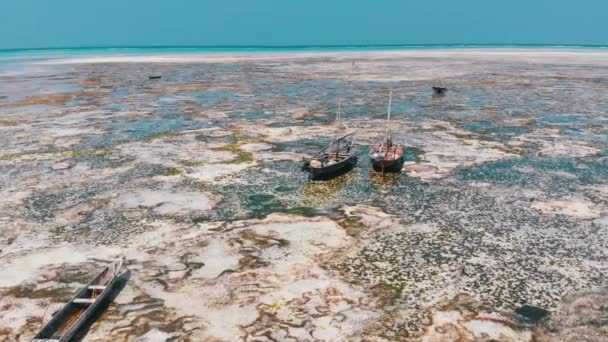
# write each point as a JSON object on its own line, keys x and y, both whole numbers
{"x": 195, "y": 180}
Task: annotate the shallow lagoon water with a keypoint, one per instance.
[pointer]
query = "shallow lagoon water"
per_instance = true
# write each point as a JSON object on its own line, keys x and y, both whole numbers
{"x": 195, "y": 179}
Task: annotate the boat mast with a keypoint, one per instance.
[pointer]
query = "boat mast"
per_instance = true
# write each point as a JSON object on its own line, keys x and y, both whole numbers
{"x": 339, "y": 116}
{"x": 338, "y": 120}
{"x": 388, "y": 118}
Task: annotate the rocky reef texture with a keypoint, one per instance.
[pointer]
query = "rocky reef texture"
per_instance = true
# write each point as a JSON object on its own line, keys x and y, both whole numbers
{"x": 194, "y": 179}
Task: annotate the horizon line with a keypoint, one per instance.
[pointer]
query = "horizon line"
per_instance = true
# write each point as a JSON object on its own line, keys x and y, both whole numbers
{"x": 84, "y": 47}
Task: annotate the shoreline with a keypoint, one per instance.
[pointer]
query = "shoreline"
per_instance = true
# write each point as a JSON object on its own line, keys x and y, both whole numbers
{"x": 9, "y": 54}
{"x": 527, "y": 56}
{"x": 439, "y": 53}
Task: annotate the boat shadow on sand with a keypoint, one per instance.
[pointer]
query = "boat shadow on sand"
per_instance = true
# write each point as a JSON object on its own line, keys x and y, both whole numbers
{"x": 386, "y": 179}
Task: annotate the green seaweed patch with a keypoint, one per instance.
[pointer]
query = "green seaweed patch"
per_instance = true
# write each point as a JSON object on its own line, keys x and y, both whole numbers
{"x": 479, "y": 135}
{"x": 58, "y": 155}
{"x": 84, "y": 153}
{"x": 162, "y": 136}
{"x": 275, "y": 306}
{"x": 191, "y": 163}
{"x": 464, "y": 136}
{"x": 58, "y": 231}
{"x": 8, "y": 123}
{"x": 250, "y": 140}
{"x": 511, "y": 149}
{"x": 386, "y": 294}
{"x": 172, "y": 171}
{"x": 44, "y": 155}
{"x": 235, "y": 148}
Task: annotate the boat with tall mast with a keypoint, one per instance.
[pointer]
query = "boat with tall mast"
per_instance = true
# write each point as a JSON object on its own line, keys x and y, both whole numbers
{"x": 335, "y": 159}
{"x": 385, "y": 155}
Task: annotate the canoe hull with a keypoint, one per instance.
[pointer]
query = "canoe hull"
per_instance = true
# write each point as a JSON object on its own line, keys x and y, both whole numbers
{"x": 55, "y": 329}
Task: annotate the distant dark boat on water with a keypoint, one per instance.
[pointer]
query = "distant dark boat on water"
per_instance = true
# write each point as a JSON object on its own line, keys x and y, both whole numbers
{"x": 85, "y": 305}
{"x": 334, "y": 160}
{"x": 154, "y": 77}
{"x": 385, "y": 155}
{"x": 439, "y": 88}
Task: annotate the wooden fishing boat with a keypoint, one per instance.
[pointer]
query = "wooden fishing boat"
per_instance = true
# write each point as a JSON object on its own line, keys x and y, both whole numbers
{"x": 68, "y": 321}
{"x": 439, "y": 88}
{"x": 335, "y": 159}
{"x": 385, "y": 155}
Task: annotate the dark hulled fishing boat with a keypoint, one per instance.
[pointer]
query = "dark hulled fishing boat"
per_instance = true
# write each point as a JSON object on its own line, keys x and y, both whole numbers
{"x": 385, "y": 155}
{"x": 439, "y": 88}
{"x": 335, "y": 159}
{"x": 154, "y": 77}
{"x": 86, "y": 304}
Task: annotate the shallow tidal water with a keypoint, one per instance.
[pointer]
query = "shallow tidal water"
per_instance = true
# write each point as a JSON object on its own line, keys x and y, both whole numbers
{"x": 194, "y": 179}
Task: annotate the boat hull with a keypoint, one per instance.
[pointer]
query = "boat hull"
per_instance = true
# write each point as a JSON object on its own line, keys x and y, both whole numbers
{"x": 386, "y": 165}
{"x": 54, "y": 329}
{"x": 439, "y": 90}
{"x": 334, "y": 170}
{"x": 385, "y": 159}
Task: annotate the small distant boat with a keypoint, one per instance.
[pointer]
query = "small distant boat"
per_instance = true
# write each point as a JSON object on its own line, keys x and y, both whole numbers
{"x": 439, "y": 88}
{"x": 154, "y": 77}
{"x": 335, "y": 159}
{"x": 385, "y": 155}
{"x": 68, "y": 321}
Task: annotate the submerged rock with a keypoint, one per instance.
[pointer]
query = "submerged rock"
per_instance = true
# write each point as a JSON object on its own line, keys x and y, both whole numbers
{"x": 532, "y": 313}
